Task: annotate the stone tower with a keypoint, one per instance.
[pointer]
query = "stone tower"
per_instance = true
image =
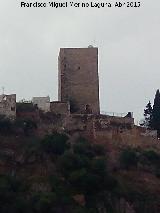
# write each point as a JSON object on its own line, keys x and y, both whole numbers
{"x": 78, "y": 79}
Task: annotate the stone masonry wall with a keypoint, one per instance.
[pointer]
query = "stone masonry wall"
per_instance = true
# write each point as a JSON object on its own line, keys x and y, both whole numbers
{"x": 78, "y": 79}
{"x": 60, "y": 107}
{"x": 8, "y": 106}
{"x": 84, "y": 122}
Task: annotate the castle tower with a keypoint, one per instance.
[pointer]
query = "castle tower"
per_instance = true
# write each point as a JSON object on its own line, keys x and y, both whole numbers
{"x": 78, "y": 79}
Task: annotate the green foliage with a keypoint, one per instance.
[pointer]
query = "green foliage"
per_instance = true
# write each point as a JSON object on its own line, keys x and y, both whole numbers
{"x": 148, "y": 112}
{"x": 156, "y": 113}
{"x": 152, "y": 114}
{"x": 85, "y": 171}
{"x": 11, "y": 184}
{"x": 85, "y": 182}
{"x": 99, "y": 150}
{"x": 83, "y": 147}
{"x": 98, "y": 166}
{"x": 79, "y": 209}
{"x": 70, "y": 162}
{"x": 152, "y": 156}
{"x": 62, "y": 191}
{"x": 55, "y": 144}
{"x": 29, "y": 126}
{"x": 143, "y": 200}
{"x": 150, "y": 161}
{"x": 78, "y": 169}
{"x": 25, "y": 107}
{"x": 6, "y": 126}
{"x": 128, "y": 158}
{"x": 43, "y": 202}
{"x": 12, "y": 192}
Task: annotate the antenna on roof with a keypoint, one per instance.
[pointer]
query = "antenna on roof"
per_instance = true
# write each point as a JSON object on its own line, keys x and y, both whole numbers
{"x": 2, "y": 90}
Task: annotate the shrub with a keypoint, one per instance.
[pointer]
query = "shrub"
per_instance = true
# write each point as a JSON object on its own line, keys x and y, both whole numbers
{"x": 12, "y": 194}
{"x": 128, "y": 158}
{"x": 26, "y": 107}
{"x": 11, "y": 184}
{"x": 99, "y": 150}
{"x": 98, "y": 166}
{"x": 85, "y": 181}
{"x": 152, "y": 156}
{"x": 152, "y": 159}
{"x": 70, "y": 162}
{"x": 43, "y": 202}
{"x": 27, "y": 125}
{"x": 6, "y": 126}
{"x": 55, "y": 144}
{"x": 83, "y": 147}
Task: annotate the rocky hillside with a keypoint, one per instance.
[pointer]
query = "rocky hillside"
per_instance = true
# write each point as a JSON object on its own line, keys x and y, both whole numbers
{"x": 62, "y": 173}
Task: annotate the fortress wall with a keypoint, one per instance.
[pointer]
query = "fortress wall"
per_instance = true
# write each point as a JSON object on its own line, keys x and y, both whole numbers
{"x": 58, "y": 107}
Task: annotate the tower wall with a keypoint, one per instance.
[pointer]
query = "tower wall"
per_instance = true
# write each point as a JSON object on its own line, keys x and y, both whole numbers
{"x": 78, "y": 79}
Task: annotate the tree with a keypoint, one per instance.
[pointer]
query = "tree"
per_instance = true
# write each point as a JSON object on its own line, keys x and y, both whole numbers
{"x": 156, "y": 113}
{"x": 148, "y": 116}
{"x": 6, "y": 126}
{"x": 55, "y": 143}
{"x": 128, "y": 158}
{"x": 152, "y": 115}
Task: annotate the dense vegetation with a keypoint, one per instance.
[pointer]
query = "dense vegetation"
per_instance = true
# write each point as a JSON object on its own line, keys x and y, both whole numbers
{"x": 76, "y": 178}
{"x": 152, "y": 114}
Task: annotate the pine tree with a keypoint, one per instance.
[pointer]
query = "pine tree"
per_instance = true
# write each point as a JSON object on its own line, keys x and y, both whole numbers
{"x": 156, "y": 113}
{"x": 148, "y": 111}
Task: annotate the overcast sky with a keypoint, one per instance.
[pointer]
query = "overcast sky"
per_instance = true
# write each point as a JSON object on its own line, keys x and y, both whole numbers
{"x": 129, "y": 50}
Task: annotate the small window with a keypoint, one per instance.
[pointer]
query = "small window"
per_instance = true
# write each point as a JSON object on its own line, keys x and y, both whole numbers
{"x": 13, "y": 108}
{"x": 79, "y": 68}
{"x": 88, "y": 110}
